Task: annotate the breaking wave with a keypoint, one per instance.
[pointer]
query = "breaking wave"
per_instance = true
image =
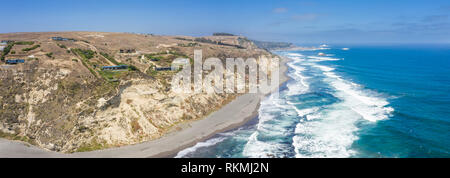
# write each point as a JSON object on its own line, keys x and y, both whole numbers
{"x": 207, "y": 143}
{"x": 316, "y": 115}
{"x": 318, "y": 123}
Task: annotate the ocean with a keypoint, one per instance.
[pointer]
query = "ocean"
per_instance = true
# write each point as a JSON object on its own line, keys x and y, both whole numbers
{"x": 365, "y": 101}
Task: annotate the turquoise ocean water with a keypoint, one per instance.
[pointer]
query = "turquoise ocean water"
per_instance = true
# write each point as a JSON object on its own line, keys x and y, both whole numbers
{"x": 367, "y": 101}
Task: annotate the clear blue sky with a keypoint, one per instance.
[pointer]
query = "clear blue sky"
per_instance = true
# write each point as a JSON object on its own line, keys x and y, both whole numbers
{"x": 331, "y": 21}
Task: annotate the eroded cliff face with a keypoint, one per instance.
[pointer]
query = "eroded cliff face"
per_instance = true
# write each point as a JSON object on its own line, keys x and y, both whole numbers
{"x": 63, "y": 102}
{"x": 54, "y": 110}
{"x": 141, "y": 112}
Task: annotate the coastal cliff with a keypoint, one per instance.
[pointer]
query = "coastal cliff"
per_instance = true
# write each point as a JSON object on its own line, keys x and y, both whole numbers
{"x": 61, "y": 98}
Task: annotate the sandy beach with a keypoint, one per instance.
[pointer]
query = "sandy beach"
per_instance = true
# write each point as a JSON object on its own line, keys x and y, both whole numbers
{"x": 233, "y": 115}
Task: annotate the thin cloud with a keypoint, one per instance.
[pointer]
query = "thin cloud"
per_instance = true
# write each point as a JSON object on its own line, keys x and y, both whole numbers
{"x": 435, "y": 18}
{"x": 445, "y": 8}
{"x": 305, "y": 17}
{"x": 307, "y": 3}
{"x": 280, "y": 10}
{"x": 295, "y": 18}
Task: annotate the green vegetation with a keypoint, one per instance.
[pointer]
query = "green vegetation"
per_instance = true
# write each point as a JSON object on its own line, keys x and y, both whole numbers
{"x": 151, "y": 71}
{"x": 184, "y": 39}
{"x": 84, "y": 53}
{"x": 153, "y": 57}
{"x": 160, "y": 57}
{"x": 30, "y": 59}
{"x": 223, "y": 34}
{"x": 163, "y": 59}
{"x": 13, "y": 52}
{"x": 6, "y": 51}
{"x": 24, "y": 43}
{"x": 62, "y": 46}
{"x": 272, "y": 45}
{"x": 132, "y": 68}
{"x": 94, "y": 145}
{"x": 110, "y": 58}
{"x": 16, "y": 137}
{"x": 189, "y": 45}
{"x": 85, "y": 56}
{"x": 177, "y": 54}
{"x": 50, "y": 55}
{"x": 112, "y": 76}
{"x": 205, "y": 40}
{"x": 90, "y": 70}
{"x": 32, "y": 48}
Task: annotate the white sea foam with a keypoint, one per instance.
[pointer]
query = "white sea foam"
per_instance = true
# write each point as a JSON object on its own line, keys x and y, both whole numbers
{"x": 304, "y": 112}
{"x": 326, "y": 131}
{"x": 332, "y": 75}
{"x": 207, "y": 143}
{"x": 324, "y": 68}
{"x": 295, "y": 67}
{"x": 255, "y": 148}
{"x": 270, "y": 111}
{"x": 311, "y": 117}
{"x": 294, "y": 55}
{"x": 318, "y": 59}
{"x": 328, "y": 135}
{"x": 258, "y": 149}
{"x": 300, "y": 84}
{"x": 366, "y": 103}
{"x": 330, "y": 131}
{"x": 269, "y": 123}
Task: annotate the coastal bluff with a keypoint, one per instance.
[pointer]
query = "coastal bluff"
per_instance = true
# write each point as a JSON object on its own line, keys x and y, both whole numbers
{"x": 87, "y": 91}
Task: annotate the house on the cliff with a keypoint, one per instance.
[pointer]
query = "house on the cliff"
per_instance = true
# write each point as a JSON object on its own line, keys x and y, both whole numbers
{"x": 112, "y": 68}
{"x": 14, "y": 61}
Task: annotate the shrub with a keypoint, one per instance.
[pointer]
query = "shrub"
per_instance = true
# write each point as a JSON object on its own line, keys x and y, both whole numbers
{"x": 32, "y": 48}
{"x": 24, "y": 43}
{"x": 84, "y": 53}
{"x": 135, "y": 127}
{"x": 110, "y": 58}
{"x": 132, "y": 68}
{"x": 62, "y": 46}
{"x": 223, "y": 34}
{"x": 49, "y": 55}
{"x": 6, "y": 50}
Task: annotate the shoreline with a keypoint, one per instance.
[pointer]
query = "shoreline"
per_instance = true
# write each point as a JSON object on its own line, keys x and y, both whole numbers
{"x": 283, "y": 79}
{"x": 243, "y": 109}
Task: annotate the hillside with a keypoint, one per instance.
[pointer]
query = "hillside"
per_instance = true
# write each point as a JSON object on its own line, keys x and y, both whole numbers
{"x": 273, "y": 45}
{"x": 60, "y": 99}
